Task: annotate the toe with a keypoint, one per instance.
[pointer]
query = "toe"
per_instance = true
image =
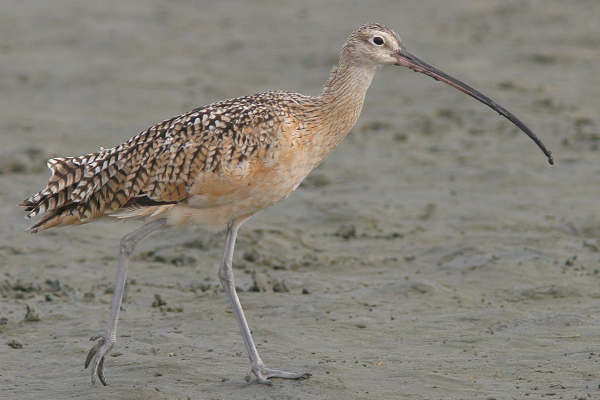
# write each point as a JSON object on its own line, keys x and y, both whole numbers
{"x": 101, "y": 372}
{"x": 96, "y": 357}
{"x": 264, "y": 374}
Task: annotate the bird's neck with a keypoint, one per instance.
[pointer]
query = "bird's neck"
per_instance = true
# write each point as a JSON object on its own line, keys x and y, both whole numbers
{"x": 341, "y": 101}
{"x": 346, "y": 88}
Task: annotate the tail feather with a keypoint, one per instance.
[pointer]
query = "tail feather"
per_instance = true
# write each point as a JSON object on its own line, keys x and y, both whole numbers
{"x": 57, "y": 217}
{"x": 149, "y": 170}
{"x": 79, "y": 189}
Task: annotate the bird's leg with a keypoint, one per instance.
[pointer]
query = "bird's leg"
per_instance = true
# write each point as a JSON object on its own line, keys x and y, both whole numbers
{"x": 107, "y": 339}
{"x": 226, "y": 277}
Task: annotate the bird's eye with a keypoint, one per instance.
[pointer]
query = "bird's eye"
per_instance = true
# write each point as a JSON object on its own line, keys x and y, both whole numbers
{"x": 377, "y": 40}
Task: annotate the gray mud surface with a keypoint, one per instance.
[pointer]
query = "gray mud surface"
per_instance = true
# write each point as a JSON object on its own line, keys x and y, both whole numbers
{"x": 434, "y": 255}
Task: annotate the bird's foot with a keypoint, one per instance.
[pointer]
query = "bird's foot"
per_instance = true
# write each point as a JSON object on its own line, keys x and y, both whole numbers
{"x": 263, "y": 374}
{"x": 97, "y": 356}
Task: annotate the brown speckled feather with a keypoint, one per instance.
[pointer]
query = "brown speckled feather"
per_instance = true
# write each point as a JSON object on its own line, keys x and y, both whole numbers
{"x": 217, "y": 163}
{"x": 159, "y": 165}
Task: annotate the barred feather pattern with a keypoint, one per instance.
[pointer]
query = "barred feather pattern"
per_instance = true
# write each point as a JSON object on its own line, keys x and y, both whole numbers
{"x": 216, "y": 163}
{"x": 159, "y": 165}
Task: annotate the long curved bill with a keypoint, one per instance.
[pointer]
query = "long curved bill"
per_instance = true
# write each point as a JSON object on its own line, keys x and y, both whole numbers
{"x": 406, "y": 59}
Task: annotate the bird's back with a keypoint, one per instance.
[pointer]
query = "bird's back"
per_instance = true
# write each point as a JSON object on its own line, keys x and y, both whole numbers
{"x": 198, "y": 162}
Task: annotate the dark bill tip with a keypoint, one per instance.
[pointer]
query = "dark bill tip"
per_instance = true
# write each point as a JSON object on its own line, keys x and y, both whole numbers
{"x": 406, "y": 59}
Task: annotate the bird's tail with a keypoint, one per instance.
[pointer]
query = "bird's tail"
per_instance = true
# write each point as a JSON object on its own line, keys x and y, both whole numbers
{"x": 79, "y": 189}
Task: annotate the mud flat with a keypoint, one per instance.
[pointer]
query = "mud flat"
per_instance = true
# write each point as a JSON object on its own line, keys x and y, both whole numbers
{"x": 434, "y": 255}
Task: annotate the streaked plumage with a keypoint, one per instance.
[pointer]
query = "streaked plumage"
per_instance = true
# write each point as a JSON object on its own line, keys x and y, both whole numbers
{"x": 217, "y": 165}
{"x": 167, "y": 164}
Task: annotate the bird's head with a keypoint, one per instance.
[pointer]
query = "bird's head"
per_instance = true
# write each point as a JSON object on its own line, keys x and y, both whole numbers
{"x": 374, "y": 45}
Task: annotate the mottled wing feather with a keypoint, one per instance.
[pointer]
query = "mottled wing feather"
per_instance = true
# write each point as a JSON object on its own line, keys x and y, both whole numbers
{"x": 158, "y": 166}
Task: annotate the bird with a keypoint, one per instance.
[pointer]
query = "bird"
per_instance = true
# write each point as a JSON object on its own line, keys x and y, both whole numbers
{"x": 217, "y": 165}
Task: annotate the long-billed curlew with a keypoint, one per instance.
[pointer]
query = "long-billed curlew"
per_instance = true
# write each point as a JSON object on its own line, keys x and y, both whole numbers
{"x": 217, "y": 165}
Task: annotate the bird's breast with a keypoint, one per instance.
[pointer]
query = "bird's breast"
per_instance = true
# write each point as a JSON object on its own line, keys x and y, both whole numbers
{"x": 246, "y": 187}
